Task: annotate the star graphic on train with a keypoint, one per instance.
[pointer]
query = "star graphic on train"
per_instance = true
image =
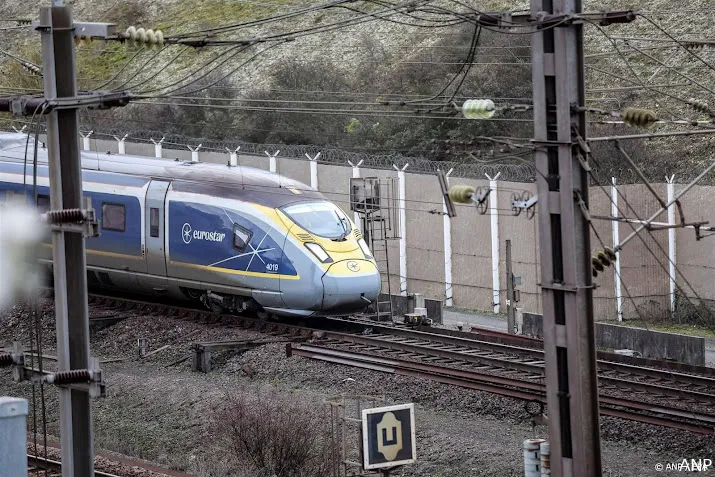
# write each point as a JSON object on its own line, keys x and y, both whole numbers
{"x": 253, "y": 253}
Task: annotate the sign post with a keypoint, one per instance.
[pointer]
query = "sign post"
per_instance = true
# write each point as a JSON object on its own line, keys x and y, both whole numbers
{"x": 388, "y": 436}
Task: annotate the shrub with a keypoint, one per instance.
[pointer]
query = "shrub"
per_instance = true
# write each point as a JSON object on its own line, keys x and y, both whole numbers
{"x": 275, "y": 435}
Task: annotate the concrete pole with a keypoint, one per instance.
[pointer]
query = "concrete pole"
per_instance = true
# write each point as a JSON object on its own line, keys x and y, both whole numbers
{"x": 313, "y": 170}
{"x": 194, "y": 153}
{"x": 617, "y": 265}
{"x": 447, "y": 227}
{"x": 158, "y": 147}
{"x": 233, "y": 156}
{"x": 671, "y": 240}
{"x": 272, "y": 161}
{"x": 403, "y": 228}
{"x": 13, "y": 436}
{"x": 68, "y": 248}
{"x": 121, "y": 144}
{"x": 356, "y": 175}
{"x": 494, "y": 216}
{"x": 85, "y": 141}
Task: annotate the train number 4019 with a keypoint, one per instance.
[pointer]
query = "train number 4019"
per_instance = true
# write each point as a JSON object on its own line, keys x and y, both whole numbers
{"x": 272, "y": 267}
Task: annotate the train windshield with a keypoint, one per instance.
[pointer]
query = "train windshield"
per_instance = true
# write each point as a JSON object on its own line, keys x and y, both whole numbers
{"x": 320, "y": 218}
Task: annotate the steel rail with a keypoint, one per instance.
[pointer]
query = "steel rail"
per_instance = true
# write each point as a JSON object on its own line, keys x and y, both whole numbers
{"x": 417, "y": 339}
{"x": 509, "y": 387}
{"x": 55, "y": 466}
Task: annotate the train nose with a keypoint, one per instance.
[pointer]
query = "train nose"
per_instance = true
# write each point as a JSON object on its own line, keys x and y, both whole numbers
{"x": 349, "y": 286}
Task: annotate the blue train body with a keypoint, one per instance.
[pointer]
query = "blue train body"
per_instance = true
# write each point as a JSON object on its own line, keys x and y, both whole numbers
{"x": 235, "y": 238}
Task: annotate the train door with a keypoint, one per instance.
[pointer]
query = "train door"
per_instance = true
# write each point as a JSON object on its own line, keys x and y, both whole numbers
{"x": 155, "y": 235}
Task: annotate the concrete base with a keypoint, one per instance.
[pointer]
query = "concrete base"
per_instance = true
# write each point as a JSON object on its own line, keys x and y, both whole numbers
{"x": 401, "y": 306}
{"x": 647, "y": 343}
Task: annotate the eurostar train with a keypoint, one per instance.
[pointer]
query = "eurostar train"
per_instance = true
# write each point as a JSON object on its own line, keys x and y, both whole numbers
{"x": 235, "y": 238}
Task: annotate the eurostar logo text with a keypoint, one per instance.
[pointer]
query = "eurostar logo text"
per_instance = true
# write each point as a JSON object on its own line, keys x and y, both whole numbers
{"x": 187, "y": 234}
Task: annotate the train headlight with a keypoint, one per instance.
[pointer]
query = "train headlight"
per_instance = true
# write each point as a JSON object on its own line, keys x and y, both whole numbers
{"x": 365, "y": 249}
{"x": 319, "y": 252}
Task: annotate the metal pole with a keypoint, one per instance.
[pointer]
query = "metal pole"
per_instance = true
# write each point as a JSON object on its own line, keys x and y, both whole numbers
{"x": 510, "y": 318}
{"x": 13, "y": 436}
{"x": 356, "y": 215}
{"x": 68, "y": 250}
{"x": 403, "y": 228}
{"x": 494, "y": 222}
{"x": 671, "y": 240}
{"x": 617, "y": 267}
{"x": 566, "y": 282}
{"x": 447, "y": 240}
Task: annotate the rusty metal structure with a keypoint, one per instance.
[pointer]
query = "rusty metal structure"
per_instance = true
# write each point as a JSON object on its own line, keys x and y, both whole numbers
{"x": 375, "y": 201}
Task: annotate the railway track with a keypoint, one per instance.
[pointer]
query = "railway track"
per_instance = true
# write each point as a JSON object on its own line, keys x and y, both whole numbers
{"x": 37, "y": 466}
{"x": 487, "y": 357}
{"x": 633, "y": 410}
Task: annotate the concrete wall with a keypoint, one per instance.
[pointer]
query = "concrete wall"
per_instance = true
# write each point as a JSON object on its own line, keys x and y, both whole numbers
{"x": 650, "y": 344}
{"x": 643, "y": 265}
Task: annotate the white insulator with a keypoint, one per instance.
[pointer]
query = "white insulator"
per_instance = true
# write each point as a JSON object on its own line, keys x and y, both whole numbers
{"x": 532, "y": 457}
{"x": 478, "y": 108}
{"x": 141, "y": 35}
{"x": 150, "y": 36}
{"x": 131, "y": 34}
{"x": 159, "y": 38}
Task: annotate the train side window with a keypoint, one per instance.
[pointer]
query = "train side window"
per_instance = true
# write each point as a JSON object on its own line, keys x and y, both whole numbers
{"x": 113, "y": 217}
{"x": 154, "y": 222}
{"x": 241, "y": 237}
{"x": 43, "y": 203}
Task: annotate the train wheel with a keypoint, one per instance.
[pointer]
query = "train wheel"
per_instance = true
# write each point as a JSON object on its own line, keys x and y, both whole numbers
{"x": 216, "y": 308}
{"x": 263, "y": 314}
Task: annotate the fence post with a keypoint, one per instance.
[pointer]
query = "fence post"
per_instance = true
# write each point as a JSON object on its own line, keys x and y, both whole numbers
{"x": 671, "y": 240}
{"x": 494, "y": 216}
{"x": 356, "y": 175}
{"x": 121, "y": 144}
{"x": 403, "y": 229}
{"x": 85, "y": 140}
{"x": 233, "y": 156}
{"x": 272, "y": 161}
{"x": 13, "y": 436}
{"x": 157, "y": 147}
{"x": 447, "y": 227}
{"x": 616, "y": 240}
{"x": 313, "y": 170}
{"x": 194, "y": 153}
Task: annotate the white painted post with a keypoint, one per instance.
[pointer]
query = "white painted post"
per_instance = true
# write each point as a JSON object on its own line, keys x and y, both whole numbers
{"x": 21, "y": 130}
{"x": 447, "y": 227}
{"x": 671, "y": 239}
{"x": 313, "y": 170}
{"x": 194, "y": 153}
{"x": 121, "y": 144}
{"x": 85, "y": 140}
{"x": 233, "y": 156}
{"x": 157, "y": 147}
{"x": 494, "y": 216}
{"x": 532, "y": 457}
{"x": 356, "y": 175}
{"x": 13, "y": 436}
{"x": 403, "y": 229}
{"x": 616, "y": 240}
{"x": 272, "y": 161}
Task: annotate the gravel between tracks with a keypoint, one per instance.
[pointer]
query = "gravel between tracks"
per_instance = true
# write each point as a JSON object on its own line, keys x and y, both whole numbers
{"x": 159, "y": 412}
